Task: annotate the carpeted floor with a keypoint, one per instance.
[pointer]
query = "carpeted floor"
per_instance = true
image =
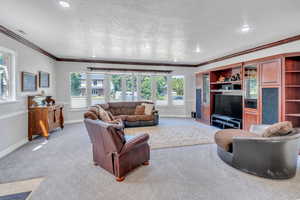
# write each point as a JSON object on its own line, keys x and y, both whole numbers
{"x": 189, "y": 173}
{"x": 176, "y": 133}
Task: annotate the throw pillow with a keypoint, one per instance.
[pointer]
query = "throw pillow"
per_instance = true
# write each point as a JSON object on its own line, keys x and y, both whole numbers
{"x": 278, "y": 129}
{"x": 104, "y": 116}
{"x": 90, "y": 115}
{"x": 139, "y": 110}
{"x": 148, "y": 108}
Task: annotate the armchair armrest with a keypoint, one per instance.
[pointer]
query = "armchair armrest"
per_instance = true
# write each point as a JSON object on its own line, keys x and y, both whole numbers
{"x": 141, "y": 139}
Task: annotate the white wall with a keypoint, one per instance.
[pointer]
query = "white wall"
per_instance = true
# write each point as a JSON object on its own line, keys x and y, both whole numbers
{"x": 13, "y": 116}
{"x": 63, "y": 70}
{"x": 285, "y": 48}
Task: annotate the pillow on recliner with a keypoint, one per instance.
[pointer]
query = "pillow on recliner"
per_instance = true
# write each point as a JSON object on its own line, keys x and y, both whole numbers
{"x": 278, "y": 129}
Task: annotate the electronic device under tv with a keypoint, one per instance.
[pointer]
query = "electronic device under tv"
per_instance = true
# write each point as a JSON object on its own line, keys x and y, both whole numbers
{"x": 229, "y": 105}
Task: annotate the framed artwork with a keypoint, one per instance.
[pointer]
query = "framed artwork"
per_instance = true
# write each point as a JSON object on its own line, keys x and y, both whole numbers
{"x": 44, "y": 80}
{"x": 29, "y": 82}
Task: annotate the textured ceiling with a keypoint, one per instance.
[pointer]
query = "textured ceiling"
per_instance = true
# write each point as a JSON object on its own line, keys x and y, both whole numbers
{"x": 151, "y": 30}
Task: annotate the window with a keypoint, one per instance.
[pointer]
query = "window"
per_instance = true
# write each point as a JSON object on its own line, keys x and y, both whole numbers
{"x": 131, "y": 88}
{"x": 6, "y": 76}
{"x": 161, "y": 90}
{"x": 146, "y": 89}
{"x": 78, "y": 90}
{"x": 116, "y": 88}
{"x": 178, "y": 90}
{"x": 97, "y": 88}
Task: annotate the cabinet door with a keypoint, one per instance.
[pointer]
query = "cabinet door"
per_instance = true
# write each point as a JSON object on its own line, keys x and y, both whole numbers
{"x": 250, "y": 118}
{"x": 271, "y": 72}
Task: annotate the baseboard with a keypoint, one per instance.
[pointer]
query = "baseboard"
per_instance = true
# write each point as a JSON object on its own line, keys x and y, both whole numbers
{"x": 175, "y": 116}
{"x": 13, "y": 147}
{"x": 74, "y": 121}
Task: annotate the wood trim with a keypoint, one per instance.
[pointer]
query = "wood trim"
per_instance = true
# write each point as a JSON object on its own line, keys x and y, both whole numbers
{"x": 258, "y": 48}
{"x": 27, "y": 43}
{"x": 124, "y": 62}
{"x": 31, "y": 45}
{"x": 128, "y": 70}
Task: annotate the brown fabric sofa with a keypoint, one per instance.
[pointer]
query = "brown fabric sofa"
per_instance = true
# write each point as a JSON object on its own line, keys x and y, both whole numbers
{"x": 126, "y": 112}
{"x": 113, "y": 151}
{"x": 261, "y": 151}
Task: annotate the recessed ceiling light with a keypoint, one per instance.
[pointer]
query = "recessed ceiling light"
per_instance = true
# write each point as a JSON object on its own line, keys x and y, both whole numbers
{"x": 198, "y": 50}
{"x": 245, "y": 28}
{"x": 175, "y": 60}
{"x": 64, "y": 4}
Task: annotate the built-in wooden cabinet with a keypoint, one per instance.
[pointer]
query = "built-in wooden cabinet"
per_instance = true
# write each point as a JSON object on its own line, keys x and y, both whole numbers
{"x": 270, "y": 87}
{"x": 270, "y": 72}
{"x": 251, "y": 117}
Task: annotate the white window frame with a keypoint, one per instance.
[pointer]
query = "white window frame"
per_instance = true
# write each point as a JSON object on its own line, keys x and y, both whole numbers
{"x": 12, "y": 76}
{"x": 139, "y": 76}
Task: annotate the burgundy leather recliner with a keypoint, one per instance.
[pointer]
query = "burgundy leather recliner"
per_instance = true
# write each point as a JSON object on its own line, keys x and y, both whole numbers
{"x": 113, "y": 152}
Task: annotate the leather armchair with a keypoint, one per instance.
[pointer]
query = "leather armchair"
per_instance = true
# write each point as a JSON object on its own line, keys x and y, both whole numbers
{"x": 113, "y": 152}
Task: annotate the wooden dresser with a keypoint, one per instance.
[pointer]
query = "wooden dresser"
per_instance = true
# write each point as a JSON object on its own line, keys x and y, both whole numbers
{"x": 43, "y": 116}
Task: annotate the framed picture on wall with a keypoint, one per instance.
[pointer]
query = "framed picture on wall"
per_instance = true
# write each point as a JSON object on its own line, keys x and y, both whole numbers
{"x": 44, "y": 80}
{"x": 29, "y": 82}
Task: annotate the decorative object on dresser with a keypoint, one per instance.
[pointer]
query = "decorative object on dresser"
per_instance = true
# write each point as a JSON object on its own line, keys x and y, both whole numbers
{"x": 44, "y": 116}
{"x": 44, "y": 79}
{"x": 29, "y": 82}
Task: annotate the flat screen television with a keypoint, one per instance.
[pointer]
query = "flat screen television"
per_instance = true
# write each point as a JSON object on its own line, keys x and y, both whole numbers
{"x": 229, "y": 105}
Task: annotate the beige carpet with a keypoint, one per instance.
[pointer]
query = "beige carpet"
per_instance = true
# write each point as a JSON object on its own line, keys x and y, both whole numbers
{"x": 176, "y": 133}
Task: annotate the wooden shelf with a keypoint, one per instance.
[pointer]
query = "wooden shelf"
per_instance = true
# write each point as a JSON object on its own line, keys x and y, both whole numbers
{"x": 293, "y": 115}
{"x": 292, "y": 71}
{"x": 293, "y": 100}
{"x": 226, "y": 91}
{"x": 292, "y": 86}
{"x": 227, "y": 82}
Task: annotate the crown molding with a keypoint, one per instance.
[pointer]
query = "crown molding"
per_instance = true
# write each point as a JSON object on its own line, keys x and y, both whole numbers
{"x": 27, "y": 43}
{"x": 258, "y": 48}
{"x": 31, "y": 45}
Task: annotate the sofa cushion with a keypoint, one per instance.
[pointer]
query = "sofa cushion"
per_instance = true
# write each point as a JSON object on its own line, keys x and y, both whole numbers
{"x": 90, "y": 115}
{"x": 122, "y": 117}
{"x": 148, "y": 108}
{"x": 132, "y": 118}
{"x": 224, "y": 138}
{"x": 139, "y": 110}
{"x": 104, "y": 116}
{"x": 278, "y": 129}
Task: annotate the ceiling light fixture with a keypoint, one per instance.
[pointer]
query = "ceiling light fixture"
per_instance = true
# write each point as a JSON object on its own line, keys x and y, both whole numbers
{"x": 175, "y": 60}
{"x": 245, "y": 28}
{"x": 64, "y": 4}
{"x": 198, "y": 50}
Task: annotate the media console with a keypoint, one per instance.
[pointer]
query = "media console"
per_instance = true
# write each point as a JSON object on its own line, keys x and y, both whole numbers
{"x": 224, "y": 122}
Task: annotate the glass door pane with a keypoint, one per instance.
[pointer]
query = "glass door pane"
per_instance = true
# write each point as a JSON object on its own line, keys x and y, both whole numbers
{"x": 251, "y": 86}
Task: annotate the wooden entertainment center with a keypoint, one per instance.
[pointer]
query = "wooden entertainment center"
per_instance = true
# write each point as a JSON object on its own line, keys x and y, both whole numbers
{"x": 270, "y": 89}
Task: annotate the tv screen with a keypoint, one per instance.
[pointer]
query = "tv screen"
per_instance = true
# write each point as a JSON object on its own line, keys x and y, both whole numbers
{"x": 229, "y": 105}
